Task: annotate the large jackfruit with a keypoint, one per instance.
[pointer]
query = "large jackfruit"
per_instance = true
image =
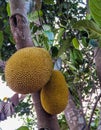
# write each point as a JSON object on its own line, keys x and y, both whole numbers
{"x": 28, "y": 70}
{"x": 54, "y": 96}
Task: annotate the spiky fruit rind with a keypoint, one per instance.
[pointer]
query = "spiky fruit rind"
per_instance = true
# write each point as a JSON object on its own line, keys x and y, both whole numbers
{"x": 28, "y": 70}
{"x": 54, "y": 96}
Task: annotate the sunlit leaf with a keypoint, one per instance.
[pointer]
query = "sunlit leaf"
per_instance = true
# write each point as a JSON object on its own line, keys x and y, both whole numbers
{"x": 23, "y": 128}
{"x": 75, "y": 43}
{"x": 8, "y": 9}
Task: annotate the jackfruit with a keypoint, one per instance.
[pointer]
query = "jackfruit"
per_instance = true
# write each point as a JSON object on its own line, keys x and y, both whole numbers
{"x": 54, "y": 96}
{"x": 28, "y": 70}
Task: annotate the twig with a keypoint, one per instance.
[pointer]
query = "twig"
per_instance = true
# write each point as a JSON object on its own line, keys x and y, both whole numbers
{"x": 93, "y": 111}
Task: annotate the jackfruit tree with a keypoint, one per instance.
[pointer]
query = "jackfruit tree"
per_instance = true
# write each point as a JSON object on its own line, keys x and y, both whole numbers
{"x": 53, "y": 56}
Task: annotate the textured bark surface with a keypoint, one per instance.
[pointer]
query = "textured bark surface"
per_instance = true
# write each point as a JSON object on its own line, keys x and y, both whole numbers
{"x": 19, "y": 24}
{"x": 45, "y": 120}
{"x": 97, "y": 55}
{"x": 21, "y": 33}
{"x": 74, "y": 116}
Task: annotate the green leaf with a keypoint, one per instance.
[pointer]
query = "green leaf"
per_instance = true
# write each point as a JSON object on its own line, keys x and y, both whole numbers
{"x": 71, "y": 66}
{"x": 84, "y": 42}
{"x": 95, "y": 10}
{"x": 60, "y": 33}
{"x": 72, "y": 58}
{"x": 35, "y": 15}
{"x": 8, "y": 9}
{"x": 23, "y": 128}
{"x": 49, "y": 2}
{"x": 75, "y": 43}
{"x": 1, "y": 39}
{"x": 64, "y": 46}
{"x": 76, "y": 57}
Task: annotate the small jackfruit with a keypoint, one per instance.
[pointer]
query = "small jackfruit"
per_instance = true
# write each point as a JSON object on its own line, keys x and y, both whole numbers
{"x": 28, "y": 70}
{"x": 54, "y": 96}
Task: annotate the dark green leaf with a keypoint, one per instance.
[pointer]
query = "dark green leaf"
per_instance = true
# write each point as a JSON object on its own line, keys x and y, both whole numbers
{"x": 1, "y": 38}
{"x": 49, "y": 2}
{"x": 84, "y": 42}
{"x": 64, "y": 46}
{"x": 54, "y": 51}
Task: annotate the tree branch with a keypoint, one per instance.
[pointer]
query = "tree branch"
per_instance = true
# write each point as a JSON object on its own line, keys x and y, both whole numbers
{"x": 74, "y": 116}
{"x": 19, "y": 24}
{"x": 93, "y": 111}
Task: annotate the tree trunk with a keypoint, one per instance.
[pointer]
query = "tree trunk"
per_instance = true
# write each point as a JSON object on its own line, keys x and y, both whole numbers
{"x": 97, "y": 55}
{"x": 74, "y": 116}
{"x": 45, "y": 120}
{"x": 21, "y": 33}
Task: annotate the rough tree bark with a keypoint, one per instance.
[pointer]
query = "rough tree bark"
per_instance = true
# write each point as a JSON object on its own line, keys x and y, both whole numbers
{"x": 21, "y": 33}
{"x": 97, "y": 58}
{"x": 74, "y": 116}
{"x": 97, "y": 55}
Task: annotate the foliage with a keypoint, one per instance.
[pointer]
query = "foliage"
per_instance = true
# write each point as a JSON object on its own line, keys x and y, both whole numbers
{"x": 95, "y": 5}
{"x": 7, "y": 46}
{"x": 62, "y": 122}
{"x": 26, "y": 111}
